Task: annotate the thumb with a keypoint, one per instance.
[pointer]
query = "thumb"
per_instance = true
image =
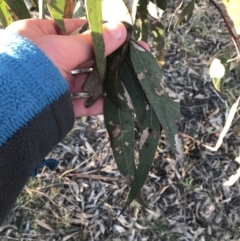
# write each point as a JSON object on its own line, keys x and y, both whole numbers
{"x": 67, "y": 52}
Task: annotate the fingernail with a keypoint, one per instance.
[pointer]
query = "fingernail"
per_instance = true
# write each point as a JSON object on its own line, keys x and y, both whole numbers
{"x": 116, "y": 30}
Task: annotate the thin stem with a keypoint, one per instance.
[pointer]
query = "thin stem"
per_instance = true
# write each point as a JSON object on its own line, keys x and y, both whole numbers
{"x": 238, "y": 54}
{"x": 233, "y": 36}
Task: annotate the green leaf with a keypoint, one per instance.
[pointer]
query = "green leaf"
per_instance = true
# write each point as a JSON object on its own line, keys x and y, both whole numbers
{"x": 79, "y": 10}
{"x": 56, "y": 10}
{"x": 131, "y": 83}
{"x": 150, "y": 77}
{"x": 114, "y": 61}
{"x": 19, "y": 8}
{"x": 94, "y": 15}
{"x": 147, "y": 148}
{"x": 120, "y": 127}
{"x": 110, "y": 82}
{"x": 5, "y": 16}
{"x": 161, "y": 4}
{"x": 218, "y": 83}
{"x": 185, "y": 14}
{"x": 84, "y": 28}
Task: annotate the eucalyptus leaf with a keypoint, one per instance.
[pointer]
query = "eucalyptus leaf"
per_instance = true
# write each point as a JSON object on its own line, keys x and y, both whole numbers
{"x": 131, "y": 82}
{"x": 147, "y": 148}
{"x": 19, "y": 8}
{"x": 120, "y": 126}
{"x": 218, "y": 83}
{"x": 56, "y": 10}
{"x": 114, "y": 61}
{"x": 5, "y": 16}
{"x": 110, "y": 82}
{"x": 185, "y": 14}
{"x": 94, "y": 14}
{"x": 139, "y": 198}
{"x": 161, "y": 99}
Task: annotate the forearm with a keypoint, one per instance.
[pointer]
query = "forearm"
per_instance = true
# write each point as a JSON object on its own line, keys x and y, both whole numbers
{"x": 35, "y": 113}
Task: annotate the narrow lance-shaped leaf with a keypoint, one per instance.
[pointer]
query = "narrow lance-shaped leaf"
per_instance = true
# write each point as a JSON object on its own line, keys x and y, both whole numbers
{"x": 120, "y": 126}
{"x": 185, "y": 14}
{"x": 94, "y": 15}
{"x": 114, "y": 61}
{"x": 147, "y": 148}
{"x": 160, "y": 98}
{"x": 5, "y": 16}
{"x": 19, "y": 8}
{"x": 131, "y": 82}
{"x": 56, "y": 10}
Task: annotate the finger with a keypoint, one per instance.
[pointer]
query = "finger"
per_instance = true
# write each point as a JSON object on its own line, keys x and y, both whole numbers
{"x": 49, "y": 26}
{"x": 145, "y": 45}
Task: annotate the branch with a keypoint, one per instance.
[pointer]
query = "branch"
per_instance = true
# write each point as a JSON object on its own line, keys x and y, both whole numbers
{"x": 225, "y": 18}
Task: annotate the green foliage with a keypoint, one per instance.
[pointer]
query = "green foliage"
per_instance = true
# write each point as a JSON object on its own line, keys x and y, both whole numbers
{"x": 134, "y": 89}
{"x": 149, "y": 140}
{"x": 150, "y": 77}
{"x": 120, "y": 126}
{"x": 94, "y": 13}
{"x": 19, "y": 8}
{"x": 56, "y": 10}
{"x": 5, "y": 16}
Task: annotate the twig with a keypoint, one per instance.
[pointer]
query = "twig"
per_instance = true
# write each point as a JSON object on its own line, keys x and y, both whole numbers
{"x": 96, "y": 177}
{"x": 233, "y": 36}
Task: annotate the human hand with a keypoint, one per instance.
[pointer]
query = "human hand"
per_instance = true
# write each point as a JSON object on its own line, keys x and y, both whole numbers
{"x": 69, "y": 52}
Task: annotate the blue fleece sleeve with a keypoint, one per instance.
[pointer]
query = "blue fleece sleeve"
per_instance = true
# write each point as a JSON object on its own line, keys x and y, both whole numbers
{"x": 28, "y": 83}
{"x": 36, "y": 113}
